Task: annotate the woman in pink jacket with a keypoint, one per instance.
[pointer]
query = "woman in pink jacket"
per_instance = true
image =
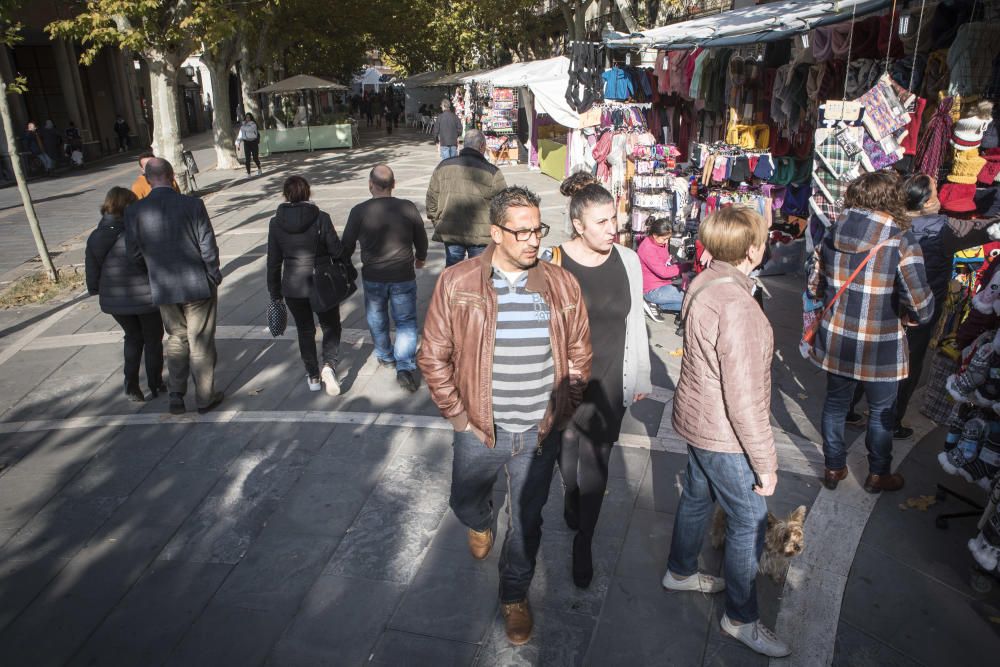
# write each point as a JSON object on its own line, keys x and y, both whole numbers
{"x": 659, "y": 271}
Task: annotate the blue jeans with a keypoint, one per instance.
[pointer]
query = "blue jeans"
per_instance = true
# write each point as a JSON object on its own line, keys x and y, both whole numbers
{"x": 666, "y": 297}
{"x": 528, "y": 470}
{"x": 881, "y": 422}
{"x": 729, "y": 479}
{"x": 455, "y": 253}
{"x": 402, "y": 297}
{"x": 448, "y": 151}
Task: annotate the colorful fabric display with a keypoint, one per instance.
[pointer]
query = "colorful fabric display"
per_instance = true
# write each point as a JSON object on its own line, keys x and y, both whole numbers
{"x": 884, "y": 113}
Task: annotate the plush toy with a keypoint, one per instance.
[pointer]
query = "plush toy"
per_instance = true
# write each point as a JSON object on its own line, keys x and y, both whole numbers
{"x": 987, "y": 300}
{"x": 985, "y": 547}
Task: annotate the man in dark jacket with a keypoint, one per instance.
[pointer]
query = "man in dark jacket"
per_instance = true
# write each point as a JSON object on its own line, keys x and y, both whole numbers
{"x": 458, "y": 200}
{"x": 32, "y": 141}
{"x": 122, "y": 131}
{"x": 449, "y": 127}
{"x": 172, "y": 234}
{"x": 388, "y": 230}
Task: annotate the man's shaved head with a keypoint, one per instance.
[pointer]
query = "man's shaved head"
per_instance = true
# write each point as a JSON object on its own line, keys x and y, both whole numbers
{"x": 159, "y": 172}
{"x": 381, "y": 177}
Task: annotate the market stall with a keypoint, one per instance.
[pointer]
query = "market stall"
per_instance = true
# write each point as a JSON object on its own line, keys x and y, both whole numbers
{"x": 303, "y": 112}
{"x": 781, "y": 106}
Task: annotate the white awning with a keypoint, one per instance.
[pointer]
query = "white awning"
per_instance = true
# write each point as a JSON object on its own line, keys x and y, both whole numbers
{"x": 760, "y": 23}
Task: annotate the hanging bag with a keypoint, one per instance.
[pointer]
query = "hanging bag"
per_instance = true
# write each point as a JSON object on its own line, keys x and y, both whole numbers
{"x": 811, "y": 328}
{"x": 277, "y": 317}
{"x": 334, "y": 280}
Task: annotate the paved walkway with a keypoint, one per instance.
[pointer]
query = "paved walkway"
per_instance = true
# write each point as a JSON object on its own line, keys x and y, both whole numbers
{"x": 294, "y": 528}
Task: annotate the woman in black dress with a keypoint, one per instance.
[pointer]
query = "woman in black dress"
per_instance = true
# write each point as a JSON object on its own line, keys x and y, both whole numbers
{"x": 610, "y": 278}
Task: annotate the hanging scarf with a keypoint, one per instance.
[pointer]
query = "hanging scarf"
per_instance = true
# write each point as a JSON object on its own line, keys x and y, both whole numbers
{"x": 600, "y": 152}
{"x": 934, "y": 143}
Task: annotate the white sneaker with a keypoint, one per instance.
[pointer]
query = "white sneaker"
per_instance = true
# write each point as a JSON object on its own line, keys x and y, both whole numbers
{"x": 757, "y": 637}
{"x": 703, "y": 583}
{"x": 314, "y": 383}
{"x": 330, "y": 381}
{"x": 652, "y": 311}
{"x": 260, "y": 172}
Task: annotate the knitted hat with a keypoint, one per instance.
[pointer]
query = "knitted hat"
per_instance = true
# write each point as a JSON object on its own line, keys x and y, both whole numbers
{"x": 957, "y": 197}
{"x": 968, "y": 132}
{"x": 990, "y": 173}
{"x": 966, "y": 167}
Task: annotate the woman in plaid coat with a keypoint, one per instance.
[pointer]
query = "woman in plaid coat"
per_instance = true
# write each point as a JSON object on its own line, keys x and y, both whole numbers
{"x": 861, "y": 337}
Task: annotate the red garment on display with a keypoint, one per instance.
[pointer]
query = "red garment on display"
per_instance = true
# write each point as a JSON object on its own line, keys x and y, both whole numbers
{"x": 909, "y": 144}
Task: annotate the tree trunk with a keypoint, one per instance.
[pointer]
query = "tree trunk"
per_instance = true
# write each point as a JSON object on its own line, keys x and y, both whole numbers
{"x": 222, "y": 124}
{"x": 167, "y": 141}
{"x": 249, "y": 82}
{"x": 22, "y": 185}
{"x": 625, "y": 9}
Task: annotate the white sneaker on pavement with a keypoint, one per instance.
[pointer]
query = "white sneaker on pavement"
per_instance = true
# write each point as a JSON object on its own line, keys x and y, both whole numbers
{"x": 315, "y": 384}
{"x": 330, "y": 381}
{"x": 757, "y": 637}
{"x": 703, "y": 583}
{"x": 652, "y": 312}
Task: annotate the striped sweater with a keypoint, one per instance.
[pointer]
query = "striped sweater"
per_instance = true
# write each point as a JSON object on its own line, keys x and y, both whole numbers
{"x": 522, "y": 358}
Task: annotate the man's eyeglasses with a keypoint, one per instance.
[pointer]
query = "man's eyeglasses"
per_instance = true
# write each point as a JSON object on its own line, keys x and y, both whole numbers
{"x": 525, "y": 234}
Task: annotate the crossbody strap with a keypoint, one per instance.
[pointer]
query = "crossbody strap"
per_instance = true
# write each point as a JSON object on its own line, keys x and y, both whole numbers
{"x": 857, "y": 272}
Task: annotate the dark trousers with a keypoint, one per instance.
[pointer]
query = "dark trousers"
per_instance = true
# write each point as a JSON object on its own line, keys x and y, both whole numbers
{"x": 528, "y": 470}
{"x": 190, "y": 348}
{"x": 881, "y": 422}
{"x": 583, "y": 464}
{"x": 123, "y": 142}
{"x": 455, "y": 253}
{"x": 305, "y": 326}
{"x": 143, "y": 333}
{"x": 918, "y": 340}
{"x": 251, "y": 150}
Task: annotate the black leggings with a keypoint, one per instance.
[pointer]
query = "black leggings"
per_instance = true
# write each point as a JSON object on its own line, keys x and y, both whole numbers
{"x": 583, "y": 465}
{"x": 143, "y": 333}
{"x": 305, "y": 327}
{"x": 251, "y": 149}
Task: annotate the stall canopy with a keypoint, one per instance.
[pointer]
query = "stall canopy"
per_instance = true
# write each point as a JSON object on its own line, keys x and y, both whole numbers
{"x": 300, "y": 82}
{"x": 423, "y": 80}
{"x": 761, "y": 23}
{"x": 547, "y": 80}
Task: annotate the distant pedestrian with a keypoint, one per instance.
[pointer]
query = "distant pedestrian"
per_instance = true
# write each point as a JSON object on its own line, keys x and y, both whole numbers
{"x": 122, "y": 131}
{"x": 52, "y": 140}
{"x": 300, "y": 236}
{"x": 389, "y": 230}
{"x": 249, "y": 136}
{"x": 458, "y": 200}
{"x": 721, "y": 408}
{"x": 449, "y": 128}
{"x": 389, "y": 112}
{"x": 366, "y": 108}
{"x": 172, "y": 235}
{"x": 32, "y": 141}
{"x": 74, "y": 144}
{"x": 125, "y": 294}
{"x": 141, "y": 186}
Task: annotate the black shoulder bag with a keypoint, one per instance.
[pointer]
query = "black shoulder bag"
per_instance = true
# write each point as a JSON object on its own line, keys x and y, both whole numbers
{"x": 334, "y": 280}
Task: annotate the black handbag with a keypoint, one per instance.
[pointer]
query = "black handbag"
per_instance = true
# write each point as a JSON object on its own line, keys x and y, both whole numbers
{"x": 334, "y": 280}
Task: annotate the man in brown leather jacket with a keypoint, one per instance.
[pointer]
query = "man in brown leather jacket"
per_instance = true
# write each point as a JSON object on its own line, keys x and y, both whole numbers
{"x": 501, "y": 337}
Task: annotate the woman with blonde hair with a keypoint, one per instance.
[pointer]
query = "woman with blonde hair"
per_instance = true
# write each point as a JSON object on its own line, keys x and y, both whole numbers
{"x": 722, "y": 408}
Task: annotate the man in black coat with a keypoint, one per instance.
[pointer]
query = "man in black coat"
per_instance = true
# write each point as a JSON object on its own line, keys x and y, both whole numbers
{"x": 172, "y": 235}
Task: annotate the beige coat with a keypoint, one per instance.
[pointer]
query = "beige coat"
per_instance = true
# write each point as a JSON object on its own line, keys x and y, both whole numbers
{"x": 723, "y": 398}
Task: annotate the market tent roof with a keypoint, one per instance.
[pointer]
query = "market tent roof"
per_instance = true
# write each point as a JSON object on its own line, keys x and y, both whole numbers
{"x": 421, "y": 80}
{"x": 518, "y": 75}
{"x": 301, "y": 82}
{"x": 760, "y": 23}
{"x": 459, "y": 77}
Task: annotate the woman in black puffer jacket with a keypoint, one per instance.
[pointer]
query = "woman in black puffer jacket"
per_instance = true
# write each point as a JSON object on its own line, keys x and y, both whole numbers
{"x": 124, "y": 293}
{"x": 300, "y": 234}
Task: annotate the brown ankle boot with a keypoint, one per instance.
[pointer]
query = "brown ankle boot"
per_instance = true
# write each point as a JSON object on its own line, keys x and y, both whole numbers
{"x": 480, "y": 543}
{"x": 831, "y": 478}
{"x": 880, "y": 483}
{"x": 517, "y": 617}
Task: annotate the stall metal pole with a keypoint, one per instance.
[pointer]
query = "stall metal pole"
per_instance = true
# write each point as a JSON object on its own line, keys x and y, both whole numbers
{"x": 305, "y": 99}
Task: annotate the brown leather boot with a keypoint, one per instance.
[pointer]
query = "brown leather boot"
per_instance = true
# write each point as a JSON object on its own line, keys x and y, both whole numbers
{"x": 880, "y": 483}
{"x": 831, "y": 478}
{"x": 517, "y": 617}
{"x": 480, "y": 543}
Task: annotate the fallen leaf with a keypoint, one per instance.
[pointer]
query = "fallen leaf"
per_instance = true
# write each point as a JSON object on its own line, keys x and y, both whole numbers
{"x": 255, "y": 392}
{"x": 919, "y": 503}
{"x": 803, "y": 396}
{"x": 678, "y": 352}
